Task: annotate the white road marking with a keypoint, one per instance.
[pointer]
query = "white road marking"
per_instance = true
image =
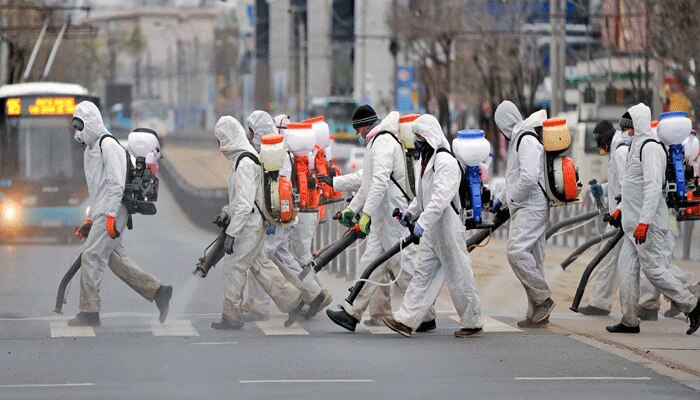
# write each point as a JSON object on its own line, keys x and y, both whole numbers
{"x": 61, "y": 329}
{"x": 583, "y": 378}
{"x": 311, "y": 381}
{"x": 174, "y": 328}
{"x": 211, "y": 343}
{"x": 275, "y": 327}
{"x": 43, "y": 385}
{"x": 380, "y": 330}
{"x": 494, "y": 325}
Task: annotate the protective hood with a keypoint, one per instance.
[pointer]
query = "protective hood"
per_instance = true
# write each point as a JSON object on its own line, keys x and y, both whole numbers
{"x": 428, "y": 126}
{"x": 261, "y": 124}
{"x": 232, "y": 137}
{"x": 94, "y": 127}
{"x": 641, "y": 118}
{"x": 618, "y": 139}
{"x": 390, "y": 124}
{"x": 507, "y": 116}
{"x": 535, "y": 120}
{"x": 281, "y": 123}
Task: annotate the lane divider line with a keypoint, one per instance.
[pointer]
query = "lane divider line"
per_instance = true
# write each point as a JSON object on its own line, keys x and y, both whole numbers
{"x": 181, "y": 327}
{"x": 583, "y": 378}
{"x": 45, "y": 385}
{"x": 310, "y": 381}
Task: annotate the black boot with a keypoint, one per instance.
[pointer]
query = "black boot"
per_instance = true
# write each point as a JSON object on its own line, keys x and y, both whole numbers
{"x": 694, "y": 319}
{"x": 343, "y": 319}
{"x": 162, "y": 299}
{"x": 590, "y": 310}
{"x": 427, "y": 326}
{"x": 648, "y": 314}
{"x": 226, "y": 325}
{"x": 87, "y": 319}
{"x": 622, "y": 328}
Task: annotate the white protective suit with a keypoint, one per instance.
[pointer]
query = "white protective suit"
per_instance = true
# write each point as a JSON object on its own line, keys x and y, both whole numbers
{"x": 247, "y": 228}
{"x": 377, "y": 197}
{"x": 277, "y": 245}
{"x": 105, "y": 173}
{"x": 529, "y": 208}
{"x": 442, "y": 251}
{"x": 643, "y": 202}
{"x": 604, "y": 280}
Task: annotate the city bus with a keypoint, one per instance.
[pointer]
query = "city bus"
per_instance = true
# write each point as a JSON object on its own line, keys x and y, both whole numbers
{"x": 42, "y": 182}
{"x": 338, "y": 112}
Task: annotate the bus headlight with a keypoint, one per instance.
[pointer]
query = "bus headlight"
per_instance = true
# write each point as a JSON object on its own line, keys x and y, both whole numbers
{"x": 87, "y": 211}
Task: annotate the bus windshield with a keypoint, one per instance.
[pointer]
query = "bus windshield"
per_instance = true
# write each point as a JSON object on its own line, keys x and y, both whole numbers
{"x": 39, "y": 149}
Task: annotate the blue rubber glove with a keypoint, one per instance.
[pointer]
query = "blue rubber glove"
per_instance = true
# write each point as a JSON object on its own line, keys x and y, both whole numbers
{"x": 405, "y": 218}
{"x": 496, "y": 205}
{"x": 418, "y": 230}
{"x": 271, "y": 230}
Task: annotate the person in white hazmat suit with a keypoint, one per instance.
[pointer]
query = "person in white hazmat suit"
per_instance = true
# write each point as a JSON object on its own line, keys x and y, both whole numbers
{"x": 277, "y": 240}
{"x": 245, "y": 233}
{"x": 105, "y": 166}
{"x": 644, "y": 216}
{"x": 443, "y": 236}
{"x": 377, "y": 197}
{"x": 604, "y": 281}
{"x": 529, "y": 209}
{"x": 650, "y": 297}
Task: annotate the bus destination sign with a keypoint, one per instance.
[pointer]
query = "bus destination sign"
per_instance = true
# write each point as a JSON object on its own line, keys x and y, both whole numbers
{"x": 39, "y": 106}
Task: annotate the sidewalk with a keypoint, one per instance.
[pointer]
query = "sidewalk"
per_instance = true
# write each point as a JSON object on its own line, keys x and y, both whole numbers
{"x": 662, "y": 345}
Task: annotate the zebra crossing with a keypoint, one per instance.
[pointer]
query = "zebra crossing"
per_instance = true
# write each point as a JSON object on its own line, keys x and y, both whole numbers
{"x": 198, "y": 326}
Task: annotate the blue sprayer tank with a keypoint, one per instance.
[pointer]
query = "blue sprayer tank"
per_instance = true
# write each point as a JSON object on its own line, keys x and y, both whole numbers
{"x": 471, "y": 149}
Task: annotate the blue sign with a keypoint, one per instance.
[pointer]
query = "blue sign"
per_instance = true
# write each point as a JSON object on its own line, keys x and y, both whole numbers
{"x": 404, "y": 89}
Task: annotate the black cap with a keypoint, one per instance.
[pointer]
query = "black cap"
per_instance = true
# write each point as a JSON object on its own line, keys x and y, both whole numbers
{"x": 626, "y": 121}
{"x": 364, "y": 115}
{"x": 603, "y": 134}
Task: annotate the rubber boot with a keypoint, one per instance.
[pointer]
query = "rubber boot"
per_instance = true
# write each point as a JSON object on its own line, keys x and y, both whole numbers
{"x": 162, "y": 299}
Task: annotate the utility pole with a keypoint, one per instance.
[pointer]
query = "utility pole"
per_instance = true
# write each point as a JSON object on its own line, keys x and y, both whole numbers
{"x": 557, "y": 53}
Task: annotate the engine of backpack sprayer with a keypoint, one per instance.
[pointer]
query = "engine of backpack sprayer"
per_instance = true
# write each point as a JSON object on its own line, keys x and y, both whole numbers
{"x": 562, "y": 183}
{"x": 471, "y": 149}
{"x": 681, "y": 182}
{"x": 141, "y": 187}
{"x": 301, "y": 140}
{"x": 278, "y": 193}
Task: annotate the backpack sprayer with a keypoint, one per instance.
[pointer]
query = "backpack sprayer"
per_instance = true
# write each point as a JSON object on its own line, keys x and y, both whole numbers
{"x": 471, "y": 150}
{"x": 675, "y": 128}
{"x": 395, "y": 249}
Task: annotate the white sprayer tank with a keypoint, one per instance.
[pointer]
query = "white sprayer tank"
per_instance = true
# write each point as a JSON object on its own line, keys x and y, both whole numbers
{"x": 471, "y": 147}
{"x": 321, "y": 130}
{"x": 300, "y": 138}
{"x": 141, "y": 143}
{"x": 406, "y": 130}
{"x": 691, "y": 147}
{"x": 674, "y": 127}
{"x": 272, "y": 152}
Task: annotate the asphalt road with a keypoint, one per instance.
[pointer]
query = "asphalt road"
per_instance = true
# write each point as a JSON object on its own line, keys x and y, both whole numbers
{"x": 132, "y": 357}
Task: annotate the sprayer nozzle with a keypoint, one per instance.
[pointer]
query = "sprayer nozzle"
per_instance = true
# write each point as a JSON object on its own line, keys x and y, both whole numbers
{"x": 199, "y": 271}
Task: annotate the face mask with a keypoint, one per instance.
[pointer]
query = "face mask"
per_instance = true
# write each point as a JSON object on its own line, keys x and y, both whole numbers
{"x": 77, "y": 137}
{"x": 419, "y": 144}
{"x": 361, "y": 140}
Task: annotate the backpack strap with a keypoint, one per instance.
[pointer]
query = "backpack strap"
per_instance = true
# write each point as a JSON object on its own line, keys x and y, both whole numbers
{"x": 520, "y": 139}
{"x": 641, "y": 149}
{"x": 255, "y": 159}
{"x": 396, "y": 183}
{"x": 129, "y": 164}
{"x": 622, "y": 145}
{"x": 461, "y": 178}
{"x": 517, "y": 148}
